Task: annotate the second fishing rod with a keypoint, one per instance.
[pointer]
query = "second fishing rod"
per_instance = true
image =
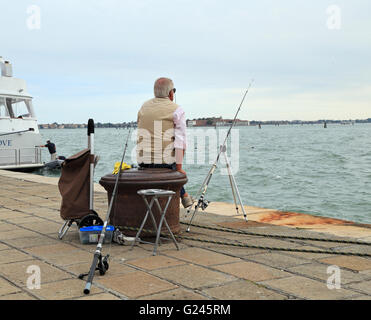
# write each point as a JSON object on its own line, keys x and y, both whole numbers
{"x": 98, "y": 259}
{"x": 202, "y": 202}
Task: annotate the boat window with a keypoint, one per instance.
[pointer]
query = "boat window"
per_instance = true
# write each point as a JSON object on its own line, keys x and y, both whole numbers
{"x": 18, "y": 108}
{"x": 3, "y": 109}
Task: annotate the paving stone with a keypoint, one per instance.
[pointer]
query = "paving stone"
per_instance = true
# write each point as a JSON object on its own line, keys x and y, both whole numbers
{"x": 367, "y": 272}
{"x": 176, "y": 294}
{"x": 364, "y": 286}
{"x": 365, "y": 239}
{"x": 166, "y": 245}
{"x": 16, "y": 234}
{"x": 17, "y": 272}
{"x": 17, "y": 296}
{"x": 100, "y": 296}
{"x": 192, "y": 276}
{"x": 6, "y": 202}
{"x": 42, "y": 211}
{"x": 362, "y": 298}
{"x": 75, "y": 257}
{"x": 51, "y": 250}
{"x": 60, "y": 254}
{"x": 23, "y": 221}
{"x": 124, "y": 254}
{"x": 318, "y": 270}
{"x": 325, "y": 245}
{"x": 4, "y": 227}
{"x": 271, "y": 242}
{"x": 251, "y": 271}
{"x": 136, "y": 284}
{"x": 19, "y": 206}
{"x": 307, "y": 288}
{"x": 13, "y": 255}
{"x": 243, "y": 290}
{"x": 354, "y": 249}
{"x": 350, "y": 262}
{"x": 65, "y": 289}
{"x": 278, "y": 260}
{"x": 241, "y": 224}
{"x": 44, "y": 228}
{"x": 8, "y": 214}
{"x": 38, "y": 201}
{"x": 7, "y": 288}
{"x": 155, "y": 262}
{"x": 4, "y": 247}
{"x": 27, "y": 242}
{"x": 233, "y": 251}
{"x": 346, "y": 231}
{"x": 309, "y": 255}
{"x": 51, "y": 205}
{"x": 201, "y": 256}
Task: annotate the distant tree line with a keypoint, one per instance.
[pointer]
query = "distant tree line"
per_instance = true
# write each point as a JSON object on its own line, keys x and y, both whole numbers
{"x": 208, "y": 121}
{"x": 56, "y": 125}
{"x": 116, "y": 125}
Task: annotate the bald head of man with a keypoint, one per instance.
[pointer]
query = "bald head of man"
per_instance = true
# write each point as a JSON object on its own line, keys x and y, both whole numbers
{"x": 164, "y": 88}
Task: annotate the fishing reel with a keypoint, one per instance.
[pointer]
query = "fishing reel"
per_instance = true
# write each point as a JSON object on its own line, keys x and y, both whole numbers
{"x": 203, "y": 204}
{"x": 102, "y": 267}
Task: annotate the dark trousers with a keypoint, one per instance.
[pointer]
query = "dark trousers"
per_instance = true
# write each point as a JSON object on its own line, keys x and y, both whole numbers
{"x": 162, "y": 165}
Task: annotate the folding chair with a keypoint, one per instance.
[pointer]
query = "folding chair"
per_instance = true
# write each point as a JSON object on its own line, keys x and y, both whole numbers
{"x": 155, "y": 194}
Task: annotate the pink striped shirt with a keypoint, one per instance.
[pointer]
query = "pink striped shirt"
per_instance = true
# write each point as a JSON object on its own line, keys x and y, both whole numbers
{"x": 179, "y": 119}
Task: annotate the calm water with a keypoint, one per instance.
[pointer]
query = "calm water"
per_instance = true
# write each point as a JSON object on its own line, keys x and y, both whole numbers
{"x": 306, "y": 168}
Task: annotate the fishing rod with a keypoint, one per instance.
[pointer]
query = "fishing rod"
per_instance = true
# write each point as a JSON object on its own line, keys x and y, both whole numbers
{"x": 98, "y": 259}
{"x": 202, "y": 202}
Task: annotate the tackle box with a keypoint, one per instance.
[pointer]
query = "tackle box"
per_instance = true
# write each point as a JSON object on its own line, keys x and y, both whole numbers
{"x": 91, "y": 234}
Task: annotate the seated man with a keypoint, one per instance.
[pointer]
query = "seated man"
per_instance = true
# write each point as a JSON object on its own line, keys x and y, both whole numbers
{"x": 162, "y": 132}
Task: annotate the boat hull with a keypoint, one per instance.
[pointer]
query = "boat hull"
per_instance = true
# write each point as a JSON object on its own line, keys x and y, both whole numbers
{"x": 24, "y": 168}
{"x": 19, "y": 151}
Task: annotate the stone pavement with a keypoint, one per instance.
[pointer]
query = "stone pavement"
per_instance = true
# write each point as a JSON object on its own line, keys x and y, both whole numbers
{"x": 30, "y": 220}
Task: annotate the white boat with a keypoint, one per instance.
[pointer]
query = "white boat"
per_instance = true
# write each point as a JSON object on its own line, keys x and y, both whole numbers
{"x": 19, "y": 132}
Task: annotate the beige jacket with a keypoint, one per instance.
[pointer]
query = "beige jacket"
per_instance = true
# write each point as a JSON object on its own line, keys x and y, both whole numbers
{"x": 155, "y": 139}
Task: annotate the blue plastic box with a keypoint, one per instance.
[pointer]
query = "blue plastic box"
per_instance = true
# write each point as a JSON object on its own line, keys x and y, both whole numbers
{"x": 91, "y": 234}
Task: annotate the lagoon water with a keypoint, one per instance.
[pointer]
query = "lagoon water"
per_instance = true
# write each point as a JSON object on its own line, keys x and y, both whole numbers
{"x": 301, "y": 168}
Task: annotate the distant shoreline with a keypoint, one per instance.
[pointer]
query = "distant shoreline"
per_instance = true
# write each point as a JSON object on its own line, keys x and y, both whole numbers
{"x": 207, "y": 122}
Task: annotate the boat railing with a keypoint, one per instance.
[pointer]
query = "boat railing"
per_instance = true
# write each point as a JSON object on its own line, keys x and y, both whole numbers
{"x": 20, "y": 156}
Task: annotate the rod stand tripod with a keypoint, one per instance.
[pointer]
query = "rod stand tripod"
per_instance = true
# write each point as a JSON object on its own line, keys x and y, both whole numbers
{"x": 202, "y": 203}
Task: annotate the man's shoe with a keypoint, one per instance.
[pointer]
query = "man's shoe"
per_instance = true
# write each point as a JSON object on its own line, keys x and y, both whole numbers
{"x": 187, "y": 201}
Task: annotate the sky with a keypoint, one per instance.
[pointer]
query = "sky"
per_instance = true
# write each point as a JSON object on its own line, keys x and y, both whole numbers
{"x": 84, "y": 59}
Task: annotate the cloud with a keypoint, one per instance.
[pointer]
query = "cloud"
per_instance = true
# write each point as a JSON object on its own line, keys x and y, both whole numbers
{"x": 107, "y": 54}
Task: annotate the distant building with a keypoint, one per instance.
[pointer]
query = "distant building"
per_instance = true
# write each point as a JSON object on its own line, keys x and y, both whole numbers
{"x": 191, "y": 123}
{"x": 242, "y": 123}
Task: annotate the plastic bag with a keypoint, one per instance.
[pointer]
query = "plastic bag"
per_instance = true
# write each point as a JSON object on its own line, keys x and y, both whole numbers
{"x": 125, "y": 166}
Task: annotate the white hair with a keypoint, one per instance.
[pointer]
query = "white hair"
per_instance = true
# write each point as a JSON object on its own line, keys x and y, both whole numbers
{"x": 162, "y": 87}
